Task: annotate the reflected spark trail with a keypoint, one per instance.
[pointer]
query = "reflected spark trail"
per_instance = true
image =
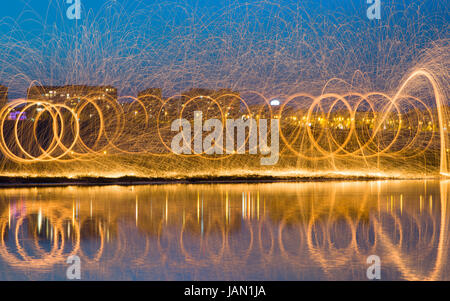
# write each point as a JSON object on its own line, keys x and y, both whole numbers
{"x": 335, "y": 232}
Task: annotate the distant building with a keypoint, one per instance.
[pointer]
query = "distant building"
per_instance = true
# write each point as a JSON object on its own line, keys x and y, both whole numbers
{"x": 71, "y": 95}
{"x": 228, "y": 100}
{"x": 3, "y": 95}
{"x": 152, "y": 99}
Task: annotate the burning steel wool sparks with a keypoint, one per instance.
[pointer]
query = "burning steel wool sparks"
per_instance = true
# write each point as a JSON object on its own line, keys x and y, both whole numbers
{"x": 351, "y": 96}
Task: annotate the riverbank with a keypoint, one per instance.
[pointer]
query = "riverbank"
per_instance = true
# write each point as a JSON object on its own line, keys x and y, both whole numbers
{"x": 8, "y": 182}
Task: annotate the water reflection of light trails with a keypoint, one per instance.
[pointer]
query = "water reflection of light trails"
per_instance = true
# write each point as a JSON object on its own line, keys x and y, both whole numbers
{"x": 24, "y": 232}
{"x": 228, "y": 228}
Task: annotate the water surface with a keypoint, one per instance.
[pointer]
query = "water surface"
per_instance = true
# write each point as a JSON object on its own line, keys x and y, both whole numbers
{"x": 279, "y": 231}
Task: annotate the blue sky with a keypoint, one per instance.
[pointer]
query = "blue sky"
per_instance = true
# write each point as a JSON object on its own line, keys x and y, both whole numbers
{"x": 50, "y": 7}
{"x": 264, "y": 45}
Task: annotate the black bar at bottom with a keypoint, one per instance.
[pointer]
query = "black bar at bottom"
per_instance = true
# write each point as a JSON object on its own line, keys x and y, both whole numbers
{"x": 241, "y": 290}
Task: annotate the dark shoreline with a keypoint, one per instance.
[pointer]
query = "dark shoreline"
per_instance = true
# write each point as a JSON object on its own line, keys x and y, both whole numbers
{"x": 16, "y": 182}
